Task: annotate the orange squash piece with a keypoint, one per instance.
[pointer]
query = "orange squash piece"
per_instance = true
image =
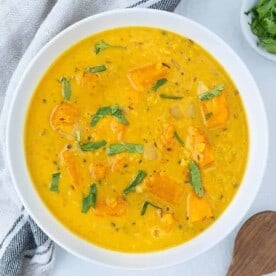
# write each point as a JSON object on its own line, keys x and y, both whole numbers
{"x": 111, "y": 207}
{"x": 63, "y": 117}
{"x": 144, "y": 77}
{"x": 87, "y": 79}
{"x": 98, "y": 171}
{"x": 215, "y": 111}
{"x": 198, "y": 145}
{"x": 167, "y": 138}
{"x": 198, "y": 208}
{"x": 165, "y": 188}
{"x": 70, "y": 163}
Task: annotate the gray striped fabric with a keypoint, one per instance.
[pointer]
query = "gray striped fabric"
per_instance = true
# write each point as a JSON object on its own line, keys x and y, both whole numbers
{"x": 26, "y": 26}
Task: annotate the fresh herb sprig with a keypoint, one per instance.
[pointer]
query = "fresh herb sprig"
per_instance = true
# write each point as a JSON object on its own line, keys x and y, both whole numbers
{"x": 125, "y": 147}
{"x": 145, "y": 206}
{"x": 137, "y": 180}
{"x": 66, "y": 88}
{"x": 54, "y": 187}
{"x": 113, "y": 110}
{"x": 195, "y": 178}
{"x": 209, "y": 95}
{"x": 90, "y": 200}
{"x": 102, "y": 45}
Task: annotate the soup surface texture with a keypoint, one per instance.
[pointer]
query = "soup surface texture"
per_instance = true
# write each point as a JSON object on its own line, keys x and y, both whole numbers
{"x": 136, "y": 139}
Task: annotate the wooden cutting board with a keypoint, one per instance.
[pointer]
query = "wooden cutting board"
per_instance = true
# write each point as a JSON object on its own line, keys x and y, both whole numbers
{"x": 255, "y": 246}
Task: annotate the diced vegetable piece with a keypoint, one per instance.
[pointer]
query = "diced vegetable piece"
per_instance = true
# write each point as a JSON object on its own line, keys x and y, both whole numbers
{"x": 86, "y": 79}
{"x": 150, "y": 152}
{"x": 90, "y": 200}
{"x": 195, "y": 178}
{"x": 198, "y": 209}
{"x": 144, "y": 77}
{"x": 136, "y": 181}
{"x": 118, "y": 128}
{"x": 111, "y": 207}
{"x": 113, "y": 110}
{"x": 168, "y": 221}
{"x": 165, "y": 188}
{"x": 124, "y": 147}
{"x": 68, "y": 160}
{"x": 54, "y": 183}
{"x": 176, "y": 112}
{"x": 167, "y": 138}
{"x": 200, "y": 148}
{"x": 66, "y": 88}
{"x": 118, "y": 162}
{"x": 98, "y": 171}
{"x": 145, "y": 206}
{"x": 214, "y": 108}
{"x": 63, "y": 117}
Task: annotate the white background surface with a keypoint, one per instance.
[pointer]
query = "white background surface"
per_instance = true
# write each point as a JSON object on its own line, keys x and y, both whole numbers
{"x": 223, "y": 18}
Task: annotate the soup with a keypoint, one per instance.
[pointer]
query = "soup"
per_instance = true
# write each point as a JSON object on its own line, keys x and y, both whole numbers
{"x": 136, "y": 139}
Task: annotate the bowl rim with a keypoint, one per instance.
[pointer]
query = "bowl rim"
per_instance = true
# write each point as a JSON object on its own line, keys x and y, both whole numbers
{"x": 249, "y": 36}
{"x": 239, "y": 204}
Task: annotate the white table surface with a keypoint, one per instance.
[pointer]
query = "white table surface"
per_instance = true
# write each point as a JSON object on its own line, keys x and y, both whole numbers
{"x": 223, "y": 18}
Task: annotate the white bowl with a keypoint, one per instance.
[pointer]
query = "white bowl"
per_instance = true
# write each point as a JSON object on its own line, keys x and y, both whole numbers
{"x": 257, "y": 127}
{"x": 250, "y": 37}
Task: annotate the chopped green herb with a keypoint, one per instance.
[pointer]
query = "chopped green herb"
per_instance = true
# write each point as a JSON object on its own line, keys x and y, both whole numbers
{"x": 263, "y": 24}
{"x": 177, "y": 137}
{"x": 170, "y": 97}
{"x": 145, "y": 206}
{"x": 96, "y": 69}
{"x": 66, "y": 88}
{"x": 208, "y": 115}
{"x": 216, "y": 91}
{"x": 90, "y": 200}
{"x": 159, "y": 83}
{"x": 92, "y": 145}
{"x": 101, "y": 45}
{"x": 125, "y": 147}
{"x": 113, "y": 110}
{"x": 54, "y": 182}
{"x": 195, "y": 178}
{"x": 138, "y": 179}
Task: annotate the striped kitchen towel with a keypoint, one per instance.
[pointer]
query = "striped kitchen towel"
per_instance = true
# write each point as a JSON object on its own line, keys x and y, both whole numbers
{"x": 25, "y": 26}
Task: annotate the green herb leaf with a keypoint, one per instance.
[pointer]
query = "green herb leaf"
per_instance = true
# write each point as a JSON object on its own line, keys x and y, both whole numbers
{"x": 66, "y": 88}
{"x": 145, "y": 206}
{"x": 124, "y": 147}
{"x": 101, "y": 45}
{"x": 177, "y": 137}
{"x": 263, "y": 24}
{"x": 208, "y": 115}
{"x": 92, "y": 145}
{"x": 113, "y": 110}
{"x": 54, "y": 182}
{"x": 159, "y": 83}
{"x": 90, "y": 200}
{"x": 195, "y": 178}
{"x": 170, "y": 97}
{"x": 96, "y": 69}
{"x": 138, "y": 179}
{"x": 216, "y": 91}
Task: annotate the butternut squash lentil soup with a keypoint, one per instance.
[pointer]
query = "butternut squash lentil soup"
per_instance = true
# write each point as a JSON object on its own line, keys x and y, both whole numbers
{"x": 136, "y": 139}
